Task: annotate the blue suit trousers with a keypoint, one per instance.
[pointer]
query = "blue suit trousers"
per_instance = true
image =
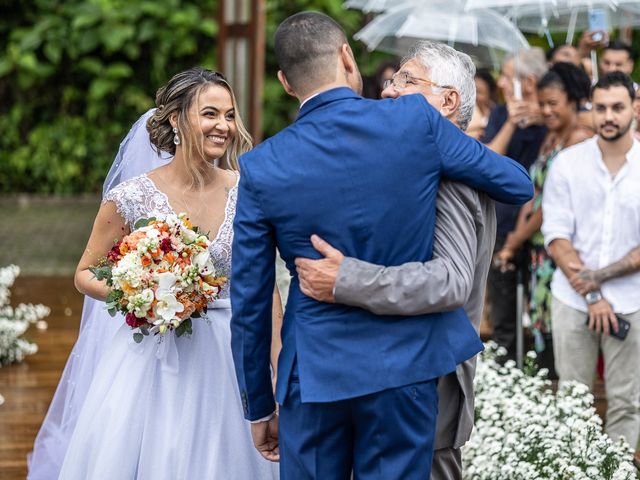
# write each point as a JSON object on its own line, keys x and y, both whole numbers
{"x": 386, "y": 435}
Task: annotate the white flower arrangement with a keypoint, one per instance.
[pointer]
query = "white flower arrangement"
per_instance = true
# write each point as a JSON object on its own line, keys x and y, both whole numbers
{"x": 523, "y": 431}
{"x": 14, "y": 322}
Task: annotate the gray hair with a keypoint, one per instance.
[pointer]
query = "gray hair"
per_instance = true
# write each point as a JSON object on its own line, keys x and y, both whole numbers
{"x": 447, "y": 66}
{"x": 531, "y": 61}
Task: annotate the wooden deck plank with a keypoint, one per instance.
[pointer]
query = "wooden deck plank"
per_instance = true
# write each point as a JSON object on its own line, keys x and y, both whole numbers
{"x": 29, "y": 387}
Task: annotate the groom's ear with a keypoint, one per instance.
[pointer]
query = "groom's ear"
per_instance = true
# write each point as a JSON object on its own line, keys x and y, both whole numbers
{"x": 285, "y": 84}
{"x": 347, "y": 58}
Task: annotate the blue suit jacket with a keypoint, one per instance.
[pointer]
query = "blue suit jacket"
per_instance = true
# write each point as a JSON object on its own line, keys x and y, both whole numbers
{"x": 363, "y": 174}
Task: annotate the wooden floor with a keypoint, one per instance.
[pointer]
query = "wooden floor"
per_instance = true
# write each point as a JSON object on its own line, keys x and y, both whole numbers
{"x": 27, "y": 388}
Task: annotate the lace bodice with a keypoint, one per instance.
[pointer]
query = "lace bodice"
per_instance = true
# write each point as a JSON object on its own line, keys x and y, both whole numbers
{"x": 140, "y": 198}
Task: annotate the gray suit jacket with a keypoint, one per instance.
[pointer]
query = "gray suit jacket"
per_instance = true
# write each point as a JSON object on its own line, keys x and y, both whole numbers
{"x": 455, "y": 277}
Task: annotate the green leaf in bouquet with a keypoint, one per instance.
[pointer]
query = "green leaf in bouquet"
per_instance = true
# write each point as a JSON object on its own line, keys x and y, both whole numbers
{"x": 184, "y": 327}
{"x": 138, "y": 337}
{"x": 143, "y": 222}
{"x": 196, "y": 315}
{"x": 144, "y": 330}
{"x": 114, "y": 296}
{"x": 112, "y": 311}
{"x": 101, "y": 272}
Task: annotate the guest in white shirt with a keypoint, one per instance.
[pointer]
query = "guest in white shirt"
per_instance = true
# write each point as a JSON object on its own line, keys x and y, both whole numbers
{"x": 591, "y": 226}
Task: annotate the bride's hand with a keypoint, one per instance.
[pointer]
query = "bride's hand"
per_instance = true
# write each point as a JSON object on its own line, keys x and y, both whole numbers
{"x": 265, "y": 438}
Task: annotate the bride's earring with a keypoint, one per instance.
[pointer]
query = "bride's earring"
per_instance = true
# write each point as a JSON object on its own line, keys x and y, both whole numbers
{"x": 176, "y": 138}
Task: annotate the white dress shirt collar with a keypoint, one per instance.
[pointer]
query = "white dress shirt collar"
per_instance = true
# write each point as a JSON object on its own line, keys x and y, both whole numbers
{"x": 309, "y": 98}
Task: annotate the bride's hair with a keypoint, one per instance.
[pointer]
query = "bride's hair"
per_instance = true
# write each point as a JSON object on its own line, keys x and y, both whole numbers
{"x": 177, "y": 96}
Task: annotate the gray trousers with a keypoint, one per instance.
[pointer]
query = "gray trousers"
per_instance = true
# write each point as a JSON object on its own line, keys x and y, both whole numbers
{"x": 575, "y": 348}
{"x": 447, "y": 464}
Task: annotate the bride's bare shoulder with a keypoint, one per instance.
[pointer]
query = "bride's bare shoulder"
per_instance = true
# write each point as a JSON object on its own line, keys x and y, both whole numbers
{"x": 154, "y": 173}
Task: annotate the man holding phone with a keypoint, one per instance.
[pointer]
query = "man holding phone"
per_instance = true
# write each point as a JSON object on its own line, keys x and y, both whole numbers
{"x": 591, "y": 226}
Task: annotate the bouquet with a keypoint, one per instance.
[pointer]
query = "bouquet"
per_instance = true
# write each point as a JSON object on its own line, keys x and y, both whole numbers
{"x": 161, "y": 276}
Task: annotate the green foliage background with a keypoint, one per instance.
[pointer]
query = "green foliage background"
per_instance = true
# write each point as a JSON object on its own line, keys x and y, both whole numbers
{"x": 75, "y": 74}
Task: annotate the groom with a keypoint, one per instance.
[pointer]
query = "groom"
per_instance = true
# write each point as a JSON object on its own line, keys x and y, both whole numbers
{"x": 456, "y": 275}
{"x": 356, "y": 390}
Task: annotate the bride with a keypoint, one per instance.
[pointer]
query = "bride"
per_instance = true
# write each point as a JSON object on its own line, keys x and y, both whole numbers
{"x": 172, "y": 410}
{"x": 97, "y": 327}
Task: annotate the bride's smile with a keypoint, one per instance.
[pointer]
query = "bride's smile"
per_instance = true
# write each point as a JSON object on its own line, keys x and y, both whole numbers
{"x": 215, "y": 114}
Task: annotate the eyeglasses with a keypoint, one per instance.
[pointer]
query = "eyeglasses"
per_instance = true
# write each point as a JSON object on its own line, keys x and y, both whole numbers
{"x": 400, "y": 81}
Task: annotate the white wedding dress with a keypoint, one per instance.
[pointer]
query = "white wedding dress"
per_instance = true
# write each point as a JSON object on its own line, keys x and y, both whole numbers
{"x": 168, "y": 410}
{"x": 135, "y": 156}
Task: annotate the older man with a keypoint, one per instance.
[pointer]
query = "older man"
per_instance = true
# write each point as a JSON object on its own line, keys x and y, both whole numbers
{"x": 464, "y": 238}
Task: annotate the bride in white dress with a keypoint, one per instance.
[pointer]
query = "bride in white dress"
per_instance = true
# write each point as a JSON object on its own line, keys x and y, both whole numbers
{"x": 97, "y": 327}
{"x": 172, "y": 410}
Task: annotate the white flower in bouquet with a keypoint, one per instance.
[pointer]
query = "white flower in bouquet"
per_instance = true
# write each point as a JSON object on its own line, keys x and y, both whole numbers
{"x": 167, "y": 307}
{"x": 140, "y": 303}
{"x": 188, "y": 236}
{"x": 204, "y": 263}
{"x": 128, "y": 272}
{"x": 150, "y": 242}
{"x": 172, "y": 220}
{"x": 166, "y": 282}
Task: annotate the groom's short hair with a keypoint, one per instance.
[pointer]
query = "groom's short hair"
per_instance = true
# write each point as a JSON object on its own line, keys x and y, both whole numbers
{"x": 307, "y": 45}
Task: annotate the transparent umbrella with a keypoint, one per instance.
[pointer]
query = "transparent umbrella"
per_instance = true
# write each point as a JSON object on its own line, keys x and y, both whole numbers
{"x": 377, "y": 6}
{"x": 563, "y": 18}
{"x": 483, "y": 34}
{"x": 544, "y": 4}
{"x": 506, "y": 4}
{"x": 544, "y": 16}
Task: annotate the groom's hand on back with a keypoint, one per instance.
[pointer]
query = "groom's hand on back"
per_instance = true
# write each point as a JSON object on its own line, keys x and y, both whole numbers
{"x": 318, "y": 277}
{"x": 265, "y": 438}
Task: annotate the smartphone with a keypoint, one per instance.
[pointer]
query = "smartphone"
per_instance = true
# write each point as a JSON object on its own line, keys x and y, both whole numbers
{"x": 598, "y": 23}
{"x": 623, "y": 328}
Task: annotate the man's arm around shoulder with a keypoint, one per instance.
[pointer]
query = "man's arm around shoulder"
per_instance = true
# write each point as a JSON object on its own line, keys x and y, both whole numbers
{"x": 442, "y": 284}
{"x": 466, "y": 160}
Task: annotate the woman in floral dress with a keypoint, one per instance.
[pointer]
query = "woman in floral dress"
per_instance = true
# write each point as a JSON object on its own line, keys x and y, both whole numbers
{"x": 561, "y": 92}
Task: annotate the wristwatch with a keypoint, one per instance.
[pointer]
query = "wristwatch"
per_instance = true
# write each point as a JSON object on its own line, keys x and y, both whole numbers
{"x": 593, "y": 297}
